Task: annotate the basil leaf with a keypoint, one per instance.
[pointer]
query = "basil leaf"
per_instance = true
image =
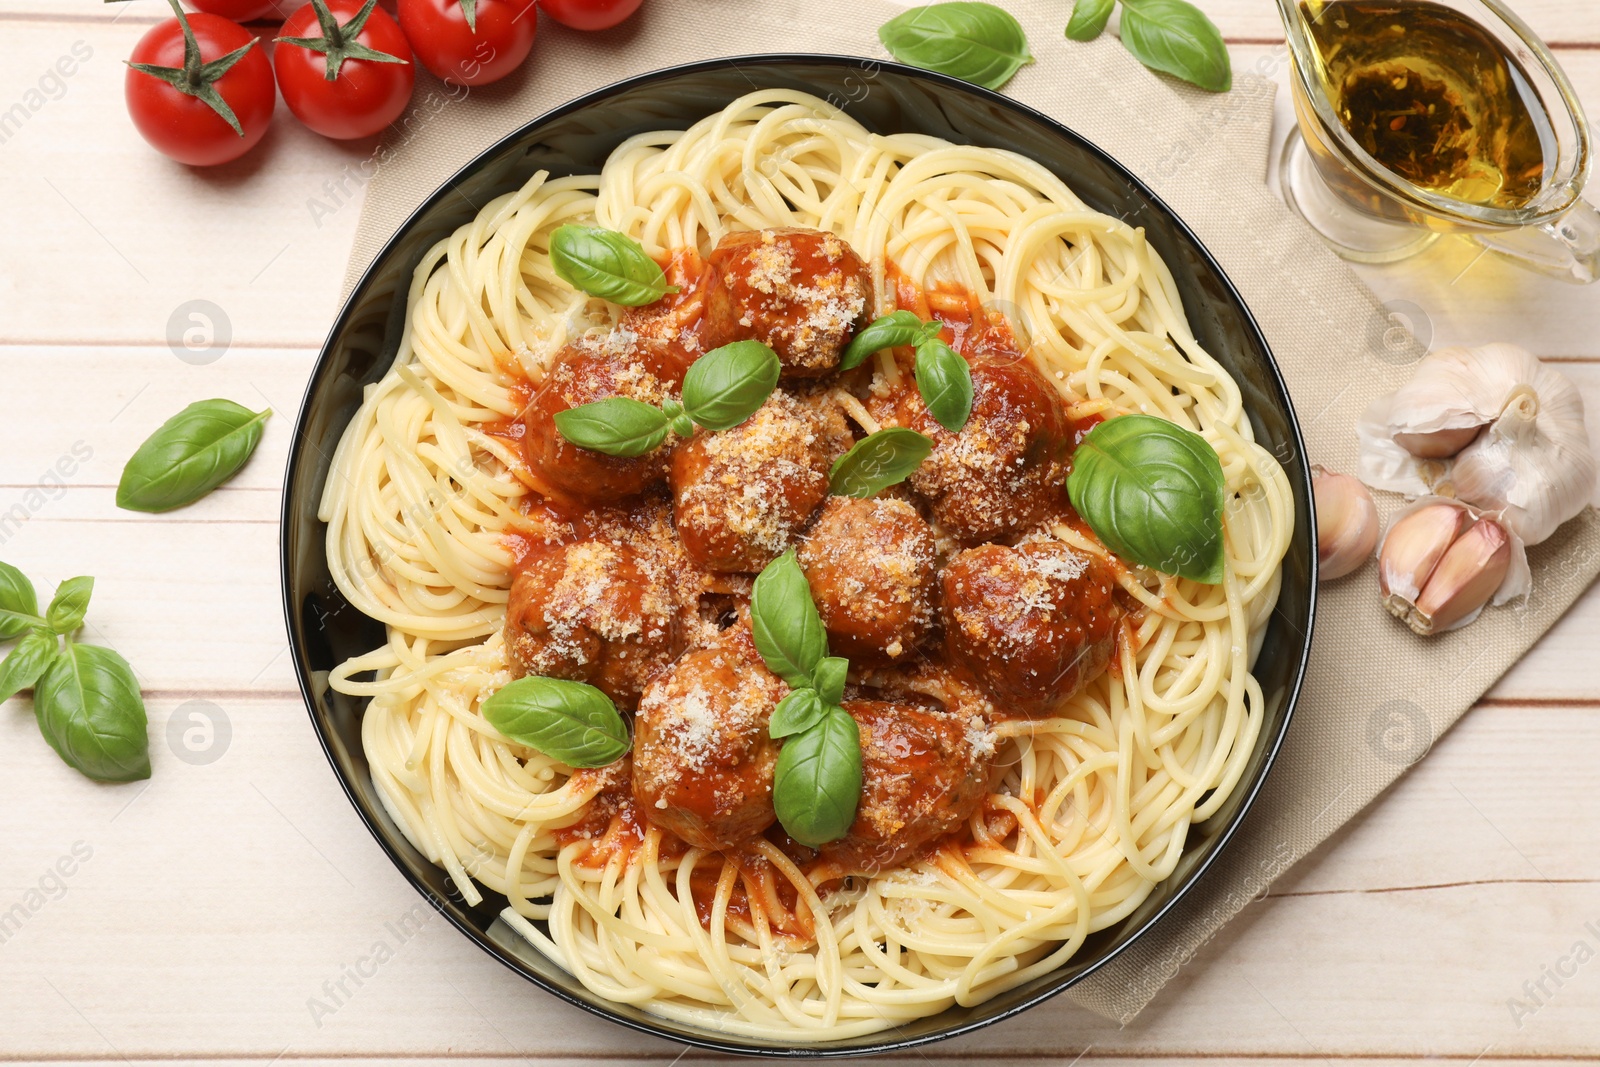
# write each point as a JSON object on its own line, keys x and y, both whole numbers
{"x": 828, "y": 678}
{"x": 607, "y": 264}
{"x": 784, "y": 621}
{"x": 192, "y": 453}
{"x": 945, "y": 382}
{"x": 1175, "y": 37}
{"x": 726, "y": 385}
{"x": 800, "y": 710}
{"x": 1089, "y": 19}
{"x": 677, "y": 421}
{"x": 617, "y": 426}
{"x": 878, "y": 461}
{"x": 975, "y": 42}
{"x": 89, "y": 709}
{"x": 894, "y": 330}
{"x": 19, "y": 605}
{"x": 569, "y": 721}
{"x": 70, "y": 605}
{"x": 1153, "y": 492}
{"x": 817, "y": 783}
{"x": 22, "y": 668}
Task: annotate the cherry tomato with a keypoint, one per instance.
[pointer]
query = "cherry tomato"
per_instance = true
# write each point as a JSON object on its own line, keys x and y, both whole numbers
{"x": 495, "y": 46}
{"x": 367, "y": 94}
{"x": 183, "y": 126}
{"x": 244, "y": 10}
{"x": 589, "y": 14}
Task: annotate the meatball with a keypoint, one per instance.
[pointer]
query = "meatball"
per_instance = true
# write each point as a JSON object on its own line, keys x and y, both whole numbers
{"x": 741, "y": 496}
{"x": 702, "y": 758}
{"x": 924, "y": 772}
{"x": 593, "y": 611}
{"x": 1035, "y": 623}
{"x": 801, "y": 292}
{"x": 870, "y": 565}
{"x": 1004, "y": 471}
{"x": 618, "y": 364}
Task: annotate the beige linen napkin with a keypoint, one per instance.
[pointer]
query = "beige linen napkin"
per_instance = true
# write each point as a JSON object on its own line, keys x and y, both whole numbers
{"x": 1375, "y": 697}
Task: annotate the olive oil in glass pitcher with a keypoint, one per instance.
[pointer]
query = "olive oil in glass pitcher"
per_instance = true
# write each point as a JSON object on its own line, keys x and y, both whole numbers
{"x": 1419, "y": 117}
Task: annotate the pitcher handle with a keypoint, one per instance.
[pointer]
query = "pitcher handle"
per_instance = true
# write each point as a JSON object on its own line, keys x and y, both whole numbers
{"x": 1567, "y": 247}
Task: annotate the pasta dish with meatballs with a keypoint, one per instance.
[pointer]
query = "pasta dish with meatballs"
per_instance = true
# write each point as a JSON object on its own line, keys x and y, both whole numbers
{"x": 821, "y": 570}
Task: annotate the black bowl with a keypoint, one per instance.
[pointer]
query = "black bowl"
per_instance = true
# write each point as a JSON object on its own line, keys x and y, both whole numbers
{"x": 576, "y": 138}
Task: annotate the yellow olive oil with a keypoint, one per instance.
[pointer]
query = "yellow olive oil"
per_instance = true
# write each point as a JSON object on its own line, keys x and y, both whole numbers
{"x": 1433, "y": 97}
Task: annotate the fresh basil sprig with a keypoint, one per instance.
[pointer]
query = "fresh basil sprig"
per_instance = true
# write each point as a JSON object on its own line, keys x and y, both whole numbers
{"x": 617, "y": 426}
{"x": 785, "y": 622}
{"x": 569, "y": 721}
{"x": 90, "y": 710}
{"x": 726, "y": 385}
{"x": 898, "y": 329}
{"x": 1175, "y": 37}
{"x": 943, "y": 377}
{"x": 975, "y": 42}
{"x": 70, "y": 605}
{"x": 607, "y": 264}
{"x": 85, "y": 698}
{"x": 828, "y": 678}
{"x": 723, "y": 388}
{"x": 1154, "y": 493}
{"x": 19, "y": 606}
{"x": 800, "y": 710}
{"x": 1170, "y": 36}
{"x": 816, "y": 786}
{"x": 878, "y": 461}
{"x": 25, "y": 663}
{"x": 945, "y": 382}
{"x": 1089, "y": 18}
{"x": 192, "y": 453}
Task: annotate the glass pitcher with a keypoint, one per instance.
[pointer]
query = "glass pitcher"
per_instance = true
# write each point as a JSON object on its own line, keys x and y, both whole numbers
{"x": 1370, "y": 213}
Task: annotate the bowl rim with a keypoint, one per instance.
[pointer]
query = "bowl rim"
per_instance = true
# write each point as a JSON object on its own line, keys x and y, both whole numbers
{"x": 666, "y": 1028}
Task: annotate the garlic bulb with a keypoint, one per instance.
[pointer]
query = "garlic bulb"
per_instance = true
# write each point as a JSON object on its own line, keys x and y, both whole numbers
{"x": 1533, "y": 464}
{"x": 1491, "y": 426}
{"x": 1347, "y": 524}
{"x": 1442, "y": 562}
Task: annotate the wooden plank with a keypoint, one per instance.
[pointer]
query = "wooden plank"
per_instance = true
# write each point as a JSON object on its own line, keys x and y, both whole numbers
{"x": 1408, "y": 936}
{"x": 211, "y": 568}
{"x": 1555, "y": 20}
{"x": 215, "y": 902}
{"x": 119, "y": 239}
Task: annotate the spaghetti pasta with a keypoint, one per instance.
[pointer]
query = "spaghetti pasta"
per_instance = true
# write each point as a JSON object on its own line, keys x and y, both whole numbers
{"x": 427, "y": 498}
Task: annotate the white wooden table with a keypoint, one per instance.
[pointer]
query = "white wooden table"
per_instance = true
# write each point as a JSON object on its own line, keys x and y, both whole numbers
{"x": 218, "y": 899}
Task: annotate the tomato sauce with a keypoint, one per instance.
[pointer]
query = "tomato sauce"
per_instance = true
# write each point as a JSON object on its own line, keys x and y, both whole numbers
{"x": 613, "y": 827}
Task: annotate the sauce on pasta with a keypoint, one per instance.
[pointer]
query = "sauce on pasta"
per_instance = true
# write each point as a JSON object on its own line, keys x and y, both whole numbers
{"x": 1039, "y": 815}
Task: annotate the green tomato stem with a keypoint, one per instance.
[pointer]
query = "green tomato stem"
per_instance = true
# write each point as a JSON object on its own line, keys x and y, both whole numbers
{"x": 338, "y": 42}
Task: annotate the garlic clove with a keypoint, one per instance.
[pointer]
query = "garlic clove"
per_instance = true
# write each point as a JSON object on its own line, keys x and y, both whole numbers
{"x": 1464, "y": 580}
{"x": 1347, "y": 524}
{"x": 1438, "y": 444}
{"x": 1413, "y": 548}
{"x": 1384, "y": 464}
